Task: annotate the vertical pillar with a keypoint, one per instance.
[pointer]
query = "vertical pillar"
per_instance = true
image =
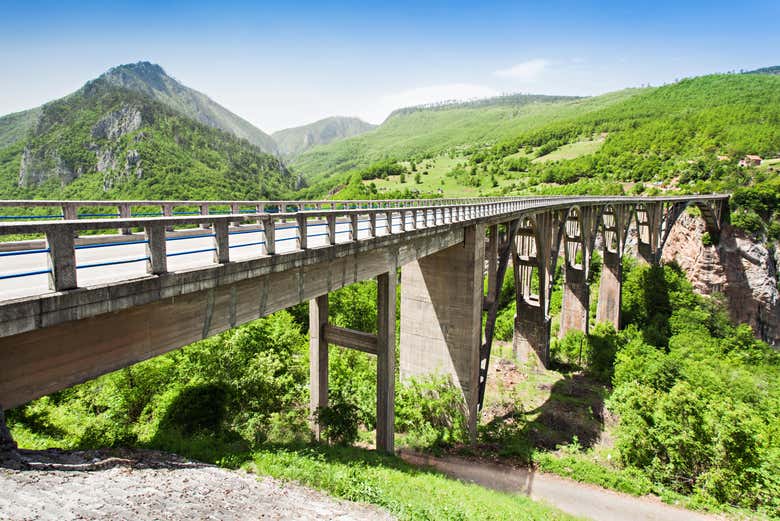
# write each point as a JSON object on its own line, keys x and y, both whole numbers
{"x": 576, "y": 301}
{"x": 318, "y": 358}
{"x": 441, "y": 316}
{"x": 610, "y": 290}
{"x": 537, "y": 248}
{"x": 492, "y": 258}
{"x": 124, "y": 213}
{"x": 385, "y": 362}
{"x": 61, "y": 258}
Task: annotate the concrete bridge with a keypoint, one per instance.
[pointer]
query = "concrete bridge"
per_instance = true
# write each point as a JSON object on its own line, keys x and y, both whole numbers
{"x": 75, "y": 306}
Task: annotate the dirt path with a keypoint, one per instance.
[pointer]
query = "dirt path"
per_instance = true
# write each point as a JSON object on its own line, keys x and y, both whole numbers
{"x": 573, "y": 497}
{"x": 146, "y": 485}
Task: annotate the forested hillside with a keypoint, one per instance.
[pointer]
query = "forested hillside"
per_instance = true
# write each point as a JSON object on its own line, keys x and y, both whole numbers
{"x": 105, "y": 141}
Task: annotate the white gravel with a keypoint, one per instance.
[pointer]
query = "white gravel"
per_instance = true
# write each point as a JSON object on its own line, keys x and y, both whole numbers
{"x": 150, "y": 485}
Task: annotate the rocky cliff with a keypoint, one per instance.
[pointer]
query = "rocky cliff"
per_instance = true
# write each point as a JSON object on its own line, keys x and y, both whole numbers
{"x": 738, "y": 267}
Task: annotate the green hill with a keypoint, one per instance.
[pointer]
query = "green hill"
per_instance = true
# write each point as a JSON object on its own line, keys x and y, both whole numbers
{"x": 292, "y": 142}
{"x": 105, "y": 141}
{"x": 428, "y": 131}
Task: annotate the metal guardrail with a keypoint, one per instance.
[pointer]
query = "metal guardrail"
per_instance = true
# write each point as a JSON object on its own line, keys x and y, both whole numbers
{"x": 408, "y": 214}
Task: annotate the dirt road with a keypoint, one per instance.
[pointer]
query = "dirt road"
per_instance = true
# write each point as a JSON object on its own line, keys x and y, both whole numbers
{"x": 573, "y": 497}
{"x": 146, "y": 485}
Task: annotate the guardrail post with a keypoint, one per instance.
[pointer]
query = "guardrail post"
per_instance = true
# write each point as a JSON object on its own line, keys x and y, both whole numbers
{"x": 269, "y": 233}
{"x": 124, "y": 213}
{"x": 372, "y": 225}
{"x": 389, "y": 218}
{"x": 353, "y": 224}
{"x": 302, "y": 231}
{"x": 204, "y": 210}
{"x": 61, "y": 258}
{"x": 331, "y": 222}
{"x": 235, "y": 209}
{"x": 221, "y": 242}
{"x": 70, "y": 212}
{"x": 157, "y": 261}
{"x": 167, "y": 211}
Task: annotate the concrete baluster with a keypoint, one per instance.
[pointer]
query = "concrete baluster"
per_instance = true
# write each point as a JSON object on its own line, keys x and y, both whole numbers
{"x": 302, "y": 231}
{"x": 156, "y": 252}
{"x": 221, "y": 242}
{"x": 61, "y": 258}
{"x": 331, "y": 225}
{"x": 124, "y": 213}
{"x": 269, "y": 234}
{"x": 204, "y": 210}
{"x": 353, "y": 226}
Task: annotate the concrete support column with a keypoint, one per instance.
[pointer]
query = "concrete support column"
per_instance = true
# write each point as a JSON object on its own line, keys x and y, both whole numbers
{"x": 385, "y": 362}
{"x": 441, "y": 316}
{"x": 318, "y": 359}
{"x": 531, "y": 341}
{"x": 610, "y": 288}
{"x": 576, "y": 301}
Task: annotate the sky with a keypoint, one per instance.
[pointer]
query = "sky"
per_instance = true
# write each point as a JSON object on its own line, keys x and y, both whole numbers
{"x": 284, "y": 64}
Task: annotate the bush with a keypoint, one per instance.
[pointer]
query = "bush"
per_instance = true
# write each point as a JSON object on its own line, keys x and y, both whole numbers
{"x": 431, "y": 411}
{"x": 338, "y": 422}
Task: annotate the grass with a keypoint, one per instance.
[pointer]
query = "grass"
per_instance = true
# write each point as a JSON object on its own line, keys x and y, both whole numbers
{"x": 432, "y": 132}
{"x": 572, "y": 150}
{"x": 406, "y": 491}
{"x": 437, "y": 179}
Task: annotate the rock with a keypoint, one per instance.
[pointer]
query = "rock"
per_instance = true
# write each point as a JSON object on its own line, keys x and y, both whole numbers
{"x": 740, "y": 268}
{"x": 118, "y": 123}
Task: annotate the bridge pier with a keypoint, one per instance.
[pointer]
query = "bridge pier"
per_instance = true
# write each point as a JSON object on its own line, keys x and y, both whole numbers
{"x": 575, "y": 308}
{"x": 531, "y": 339}
{"x": 441, "y": 316}
{"x": 321, "y": 333}
{"x": 610, "y": 289}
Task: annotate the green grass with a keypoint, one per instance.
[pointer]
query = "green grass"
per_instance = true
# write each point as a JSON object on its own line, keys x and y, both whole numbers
{"x": 437, "y": 179}
{"x": 432, "y": 132}
{"x": 572, "y": 150}
{"x": 405, "y": 491}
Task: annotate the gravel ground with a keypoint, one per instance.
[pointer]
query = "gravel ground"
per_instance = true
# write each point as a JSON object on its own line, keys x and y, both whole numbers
{"x": 141, "y": 485}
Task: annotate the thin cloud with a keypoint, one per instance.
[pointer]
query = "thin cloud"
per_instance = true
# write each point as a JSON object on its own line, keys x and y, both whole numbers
{"x": 525, "y": 71}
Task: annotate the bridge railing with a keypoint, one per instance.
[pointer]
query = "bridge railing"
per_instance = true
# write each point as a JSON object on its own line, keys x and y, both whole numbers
{"x": 359, "y": 220}
{"x": 359, "y": 223}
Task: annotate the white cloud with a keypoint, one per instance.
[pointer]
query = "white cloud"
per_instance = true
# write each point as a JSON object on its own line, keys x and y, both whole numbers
{"x": 422, "y": 95}
{"x": 525, "y": 71}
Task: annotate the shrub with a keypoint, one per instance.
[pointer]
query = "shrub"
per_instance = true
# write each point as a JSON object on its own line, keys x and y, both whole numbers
{"x": 338, "y": 422}
{"x": 431, "y": 411}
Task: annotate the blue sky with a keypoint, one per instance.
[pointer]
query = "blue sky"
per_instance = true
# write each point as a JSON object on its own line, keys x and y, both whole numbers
{"x": 285, "y": 64}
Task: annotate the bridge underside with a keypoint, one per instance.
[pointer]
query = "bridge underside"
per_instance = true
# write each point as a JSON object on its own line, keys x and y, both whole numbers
{"x": 51, "y": 342}
{"x": 43, "y": 360}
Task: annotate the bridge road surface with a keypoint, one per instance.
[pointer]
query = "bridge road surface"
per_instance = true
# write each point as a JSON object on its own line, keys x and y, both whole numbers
{"x": 243, "y": 245}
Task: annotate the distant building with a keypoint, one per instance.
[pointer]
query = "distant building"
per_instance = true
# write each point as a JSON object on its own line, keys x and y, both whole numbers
{"x": 724, "y": 158}
{"x": 750, "y": 160}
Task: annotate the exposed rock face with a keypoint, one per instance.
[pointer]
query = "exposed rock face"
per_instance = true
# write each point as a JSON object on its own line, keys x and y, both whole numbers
{"x": 118, "y": 123}
{"x": 37, "y": 167}
{"x": 738, "y": 267}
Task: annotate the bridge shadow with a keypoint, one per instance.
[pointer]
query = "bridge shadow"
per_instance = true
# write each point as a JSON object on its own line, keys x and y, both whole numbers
{"x": 572, "y": 414}
{"x": 96, "y": 460}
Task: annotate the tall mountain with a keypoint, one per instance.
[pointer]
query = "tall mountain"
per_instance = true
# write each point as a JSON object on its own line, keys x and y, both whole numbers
{"x": 121, "y": 137}
{"x": 150, "y": 79}
{"x": 294, "y": 141}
